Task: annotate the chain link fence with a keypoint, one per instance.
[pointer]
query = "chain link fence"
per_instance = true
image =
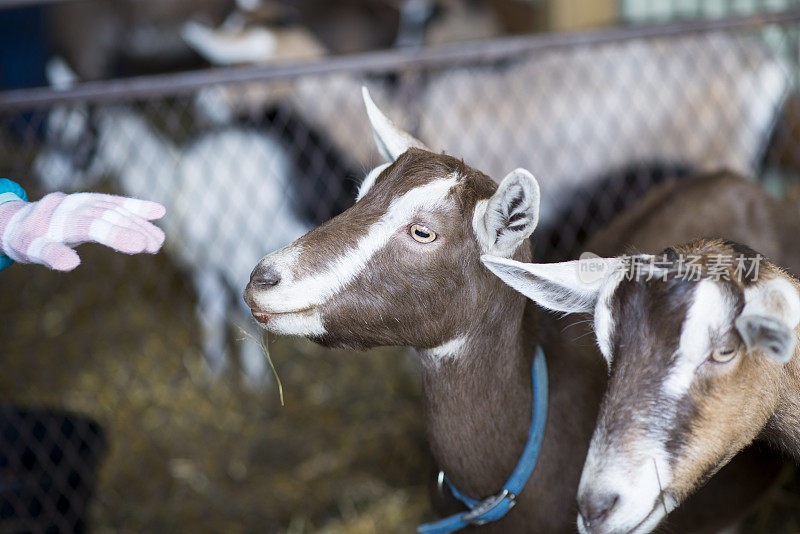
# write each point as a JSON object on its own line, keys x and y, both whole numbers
{"x": 654, "y": 11}
{"x": 135, "y": 395}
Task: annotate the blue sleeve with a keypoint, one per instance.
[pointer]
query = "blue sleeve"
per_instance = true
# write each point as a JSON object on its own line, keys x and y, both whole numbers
{"x": 5, "y": 262}
{"x": 8, "y": 186}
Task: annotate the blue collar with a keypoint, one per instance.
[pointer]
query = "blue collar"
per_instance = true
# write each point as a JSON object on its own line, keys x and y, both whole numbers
{"x": 494, "y": 507}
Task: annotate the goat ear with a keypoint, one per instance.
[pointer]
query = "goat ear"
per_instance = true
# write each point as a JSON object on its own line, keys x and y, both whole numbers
{"x": 760, "y": 332}
{"x": 391, "y": 140}
{"x": 770, "y": 315}
{"x": 505, "y": 220}
{"x": 571, "y": 286}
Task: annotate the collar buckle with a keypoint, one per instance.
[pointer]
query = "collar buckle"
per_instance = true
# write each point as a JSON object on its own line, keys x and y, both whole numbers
{"x": 477, "y": 516}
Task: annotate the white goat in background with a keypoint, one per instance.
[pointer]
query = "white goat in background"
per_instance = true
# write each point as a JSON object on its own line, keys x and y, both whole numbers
{"x": 708, "y": 101}
{"x": 573, "y": 114}
{"x": 227, "y": 194}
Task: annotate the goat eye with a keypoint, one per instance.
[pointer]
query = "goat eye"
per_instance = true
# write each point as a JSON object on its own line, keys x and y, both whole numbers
{"x": 723, "y": 355}
{"x": 422, "y": 233}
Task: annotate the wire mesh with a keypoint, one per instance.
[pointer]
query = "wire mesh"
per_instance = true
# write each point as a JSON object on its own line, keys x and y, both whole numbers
{"x": 649, "y": 11}
{"x": 129, "y": 377}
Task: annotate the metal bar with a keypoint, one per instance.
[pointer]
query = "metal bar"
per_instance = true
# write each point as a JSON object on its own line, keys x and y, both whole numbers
{"x": 14, "y": 4}
{"x": 372, "y": 62}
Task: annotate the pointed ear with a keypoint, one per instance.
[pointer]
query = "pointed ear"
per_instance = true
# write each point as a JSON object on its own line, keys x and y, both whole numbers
{"x": 769, "y": 317}
{"x": 571, "y": 286}
{"x": 391, "y": 140}
{"x": 505, "y": 220}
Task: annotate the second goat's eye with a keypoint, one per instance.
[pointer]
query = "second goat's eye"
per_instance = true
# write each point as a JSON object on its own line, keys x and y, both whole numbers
{"x": 723, "y": 355}
{"x": 421, "y": 233}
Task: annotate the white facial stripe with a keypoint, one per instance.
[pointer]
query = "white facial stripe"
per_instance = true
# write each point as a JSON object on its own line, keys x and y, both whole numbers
{"x": 709, "y": 313}
{"x": 314, "y": 290}
{"x": 369, "y": 181}
{"x": 638, "y": 471}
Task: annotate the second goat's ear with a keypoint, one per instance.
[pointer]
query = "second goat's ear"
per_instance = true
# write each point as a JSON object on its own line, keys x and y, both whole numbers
{"x": 766, "y": 334}
{"x": 505, "y": 220}
{"x": 570, "y": 286}
{"x": 769, "y": 317}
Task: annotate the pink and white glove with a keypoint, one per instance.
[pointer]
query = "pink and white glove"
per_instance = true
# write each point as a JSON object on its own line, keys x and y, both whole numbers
{"x": 43, "y": 231}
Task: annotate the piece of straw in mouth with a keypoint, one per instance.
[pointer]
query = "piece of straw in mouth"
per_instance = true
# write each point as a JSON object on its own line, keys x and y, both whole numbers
{"x": 250, "y": 337}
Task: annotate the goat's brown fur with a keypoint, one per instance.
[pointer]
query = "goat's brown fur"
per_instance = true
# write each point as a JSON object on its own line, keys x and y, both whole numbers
{"x": 477, "y": 404}
{"x": 714, "y": 205}
{"x": 728, "y": 405}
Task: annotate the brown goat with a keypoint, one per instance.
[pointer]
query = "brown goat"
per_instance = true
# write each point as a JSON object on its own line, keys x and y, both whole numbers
{"x": 402, "y": 267}
{"x": 673, "y": 414}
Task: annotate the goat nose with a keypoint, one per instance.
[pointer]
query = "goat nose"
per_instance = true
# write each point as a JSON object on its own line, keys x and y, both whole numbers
{"x": 265, "y": 276}
{"x": 595, "y": 507}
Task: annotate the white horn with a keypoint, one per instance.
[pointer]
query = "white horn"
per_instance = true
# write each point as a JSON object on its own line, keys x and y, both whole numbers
{"x": 391, "y": 140}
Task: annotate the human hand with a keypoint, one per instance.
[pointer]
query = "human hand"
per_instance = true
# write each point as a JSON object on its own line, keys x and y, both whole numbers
{"x": 44, "y": 231}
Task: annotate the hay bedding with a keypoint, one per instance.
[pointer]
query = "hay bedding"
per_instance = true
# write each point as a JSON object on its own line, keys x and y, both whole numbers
{"x": 117, "y": 340}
